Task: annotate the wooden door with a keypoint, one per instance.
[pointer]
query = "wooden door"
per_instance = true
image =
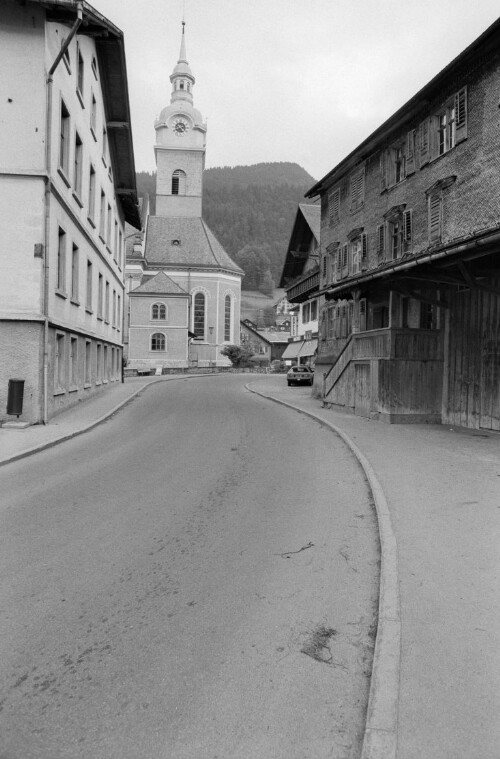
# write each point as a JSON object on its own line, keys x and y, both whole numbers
{"x": 362, "y": 389}
{"x": 490, "y": 363}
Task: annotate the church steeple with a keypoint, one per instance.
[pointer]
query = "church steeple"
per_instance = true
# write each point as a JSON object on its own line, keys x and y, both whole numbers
{"x": 180, "y": 146}
{"x": 182, "y": 77}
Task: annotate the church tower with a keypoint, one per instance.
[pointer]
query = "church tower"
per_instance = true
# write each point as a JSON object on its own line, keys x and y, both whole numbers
{"x": 180, "y": 147}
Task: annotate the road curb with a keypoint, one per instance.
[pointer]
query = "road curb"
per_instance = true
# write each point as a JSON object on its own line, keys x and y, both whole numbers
{"x": 380, "y": 736}
{"x": 91, "y": 425}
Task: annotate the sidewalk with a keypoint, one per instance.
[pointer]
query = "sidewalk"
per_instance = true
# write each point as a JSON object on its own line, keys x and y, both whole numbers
{"x": 442, "y": 487}
{"x": 17, "y": 443}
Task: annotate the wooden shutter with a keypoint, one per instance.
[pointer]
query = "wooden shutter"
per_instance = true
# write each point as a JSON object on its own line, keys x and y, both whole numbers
{"x": 461, "y": 115}
{"x": 407, "y": 226}
{"x": 339, "y": 262}
{"x": 334, "y": 207}
{"x": 325, "y": 263}
{"x": 364, "y": 250}
{"x": 362, "y": 315}
{"x": 383, "y": 170}
{"x": 424, "y": 141}
{"x": 345, "y": 255}
{"x": 381, "y": 240}
{"x": 410, "y": 153}
{"x": 435, "y": 217}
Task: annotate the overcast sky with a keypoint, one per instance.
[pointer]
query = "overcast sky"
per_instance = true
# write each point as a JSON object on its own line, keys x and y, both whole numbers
{"x": 288, "y": 80}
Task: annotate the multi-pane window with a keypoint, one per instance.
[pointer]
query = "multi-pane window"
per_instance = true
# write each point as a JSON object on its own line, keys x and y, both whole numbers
{"x": 64, "y": 139}
{"x": 108, "y": 228}
{"x": 314, "y": 310}
{"x": 106, "y": 304}
{"x": 59, "y": 362}
{"x": 88, "y": 300}
{"x": 119, "y": 312}
{"x": 99, "y": 362}
{"x": 358, "y": 252}
{"x": 113, "y": 307}
{"x": 75, "y": 265}
{"x": 158, "y": 311}
{"x": 227, "y": 318}
{"x": 73, "y": 362}
{"x": 446, "y": 123}
{"x": 104, "y": 146}
{"x": 105, "y": 363}
{"x": 158, "y": 341}
{"x": 100, "y": 296}
{"x": 178, "y": 182}
{"x": 80, "y": 72}
{"x": 199, "y": 316}
{"x": 93, "y": 116}
{"x": 91, "y": 211}
{"x": 77, "y": 173}
{"x": 102, "y": 220}
{"x": 87, "y": 372}
{"x": 61, "y": 261}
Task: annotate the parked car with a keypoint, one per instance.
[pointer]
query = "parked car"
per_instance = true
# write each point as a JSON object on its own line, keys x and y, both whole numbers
{"x": 300, "y": 375}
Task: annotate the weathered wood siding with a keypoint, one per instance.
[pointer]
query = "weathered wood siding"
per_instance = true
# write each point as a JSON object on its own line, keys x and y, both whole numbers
{"x": 472, "y": 393}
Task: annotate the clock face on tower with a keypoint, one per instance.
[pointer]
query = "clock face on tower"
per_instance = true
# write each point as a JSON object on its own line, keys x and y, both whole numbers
{"x": 180, "y": 127}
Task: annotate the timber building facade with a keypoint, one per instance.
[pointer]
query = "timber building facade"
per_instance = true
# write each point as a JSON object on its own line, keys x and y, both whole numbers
{"x": 410, "y": 256}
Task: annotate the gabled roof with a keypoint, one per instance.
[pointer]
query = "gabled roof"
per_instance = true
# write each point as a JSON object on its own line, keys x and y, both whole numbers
{"x": 185, "y": 242}
{"x": 306, "y": 226}
{"x": 110, "y": 50}
{"x": 160, "y": 284}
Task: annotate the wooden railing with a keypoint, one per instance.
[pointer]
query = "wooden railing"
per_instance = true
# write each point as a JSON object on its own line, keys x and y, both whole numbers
{"x": 308, "y": 283}
{"x": 401, "y": 344}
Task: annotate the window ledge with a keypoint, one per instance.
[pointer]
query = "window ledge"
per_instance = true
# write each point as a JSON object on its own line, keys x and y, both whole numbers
{"x": 91, "y": 221}
{"x": 101, "y": 238}
{"x": 63, "y": 176}
{"x": 73, "y": 388}
{"x": 98, "y": 382}
{"x": 92, "y": 131}
{"x": 109, "y": 250}
{"x": 88, "y": 310}
{"x": 99, "y": 318}
{"x": 62, "y": 294}
{"x": 86, "y": 385}
{"x": 80, "y": 97}
{"x": 74, "y": 302}
{"x": 77, "y": 199}
{"x": 60, "y": 391}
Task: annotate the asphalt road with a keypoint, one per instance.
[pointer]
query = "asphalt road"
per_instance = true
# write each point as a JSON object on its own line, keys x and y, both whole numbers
{"x": 197, "y": 577}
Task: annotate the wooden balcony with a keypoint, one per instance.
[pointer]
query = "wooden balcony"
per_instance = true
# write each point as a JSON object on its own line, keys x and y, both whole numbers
{"x": 303, "y": 287}
{"x": 404, "y": 344}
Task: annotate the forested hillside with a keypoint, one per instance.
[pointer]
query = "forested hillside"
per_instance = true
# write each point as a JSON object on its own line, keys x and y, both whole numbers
{"x": 250, "y": 209}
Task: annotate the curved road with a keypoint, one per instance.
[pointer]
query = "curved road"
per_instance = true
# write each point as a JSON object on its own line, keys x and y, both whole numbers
{"x": 197, "y": 577}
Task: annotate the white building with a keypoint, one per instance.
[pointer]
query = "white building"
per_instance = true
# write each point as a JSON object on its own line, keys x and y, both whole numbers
{"x": 178, "y": 242}
{"x": 67, "y": 187}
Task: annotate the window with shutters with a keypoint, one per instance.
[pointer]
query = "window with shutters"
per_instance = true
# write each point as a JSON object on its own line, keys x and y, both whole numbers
{"x": 357, "y": 190}
{"x": 435, "y": 217}
{"x": 381, "y": 241}
{"x": 397, "y": 233}
{"x": 334, "y": 207}
{"x": 358, "y": 253}
{"x": 445, "y": 129}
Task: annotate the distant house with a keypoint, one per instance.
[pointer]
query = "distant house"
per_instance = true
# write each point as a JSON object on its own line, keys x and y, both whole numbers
{"x": 159, "y": 324}
{"x": 300, "y": 278}
{"x": 410, "y": 269}
{"x": 269, "y": 344}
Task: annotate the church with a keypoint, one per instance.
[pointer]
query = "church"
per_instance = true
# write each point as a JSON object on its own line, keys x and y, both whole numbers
{"x": 183, "y": 289}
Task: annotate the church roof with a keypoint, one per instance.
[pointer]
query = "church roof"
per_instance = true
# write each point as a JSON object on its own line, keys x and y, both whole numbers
{"x": 160, "y": 284}
{"x": 183, "y": 242}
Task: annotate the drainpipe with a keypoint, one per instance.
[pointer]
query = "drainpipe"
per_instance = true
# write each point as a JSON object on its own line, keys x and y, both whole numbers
{"x": 48, "y": 190}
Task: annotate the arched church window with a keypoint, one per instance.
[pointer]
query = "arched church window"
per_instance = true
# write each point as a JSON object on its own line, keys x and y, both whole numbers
{"x": 158, "y": 341}
{"x": 159, "y": 311}
{"x": 199, "y": 316}
{"x": 178, "y": 182}
{"x": 227, "y": 318}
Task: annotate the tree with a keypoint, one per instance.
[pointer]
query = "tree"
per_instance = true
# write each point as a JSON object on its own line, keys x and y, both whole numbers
{"x": 238, "y": 355}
